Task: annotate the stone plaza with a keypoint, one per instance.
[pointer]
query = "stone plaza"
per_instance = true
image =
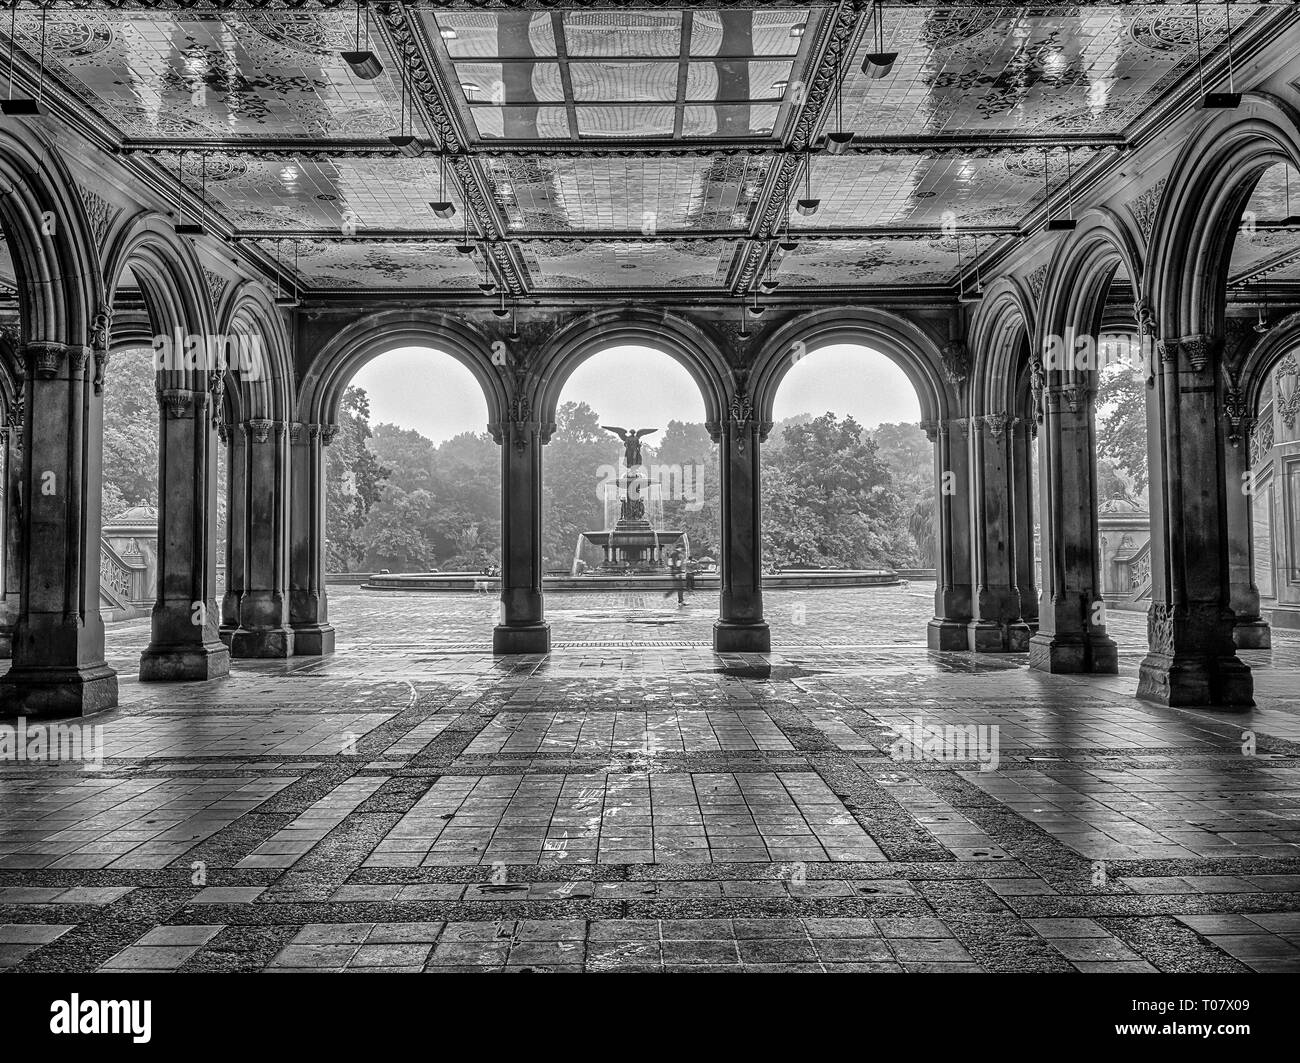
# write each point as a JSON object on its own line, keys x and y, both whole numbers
{"x": 635, "y": 802}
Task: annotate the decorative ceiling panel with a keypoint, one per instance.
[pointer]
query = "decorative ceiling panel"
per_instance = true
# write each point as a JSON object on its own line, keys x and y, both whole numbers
{"x": 194, "y": 73}
{"x": 919, "y": 190}
{"x": 1262, "y": 252}
{"x": 643, "y": 195}
{"x": 555, "y": 264}
{"x": 1028, "y": 69}
{"x": 366, "y": 193}
{"x": 342, "y": 264}
{"x": 626, "y": 74}
{"x": 859, "y": 263}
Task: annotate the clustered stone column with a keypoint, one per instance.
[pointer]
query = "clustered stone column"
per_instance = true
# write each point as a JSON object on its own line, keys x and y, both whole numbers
{"x": 184, "y": 642}
{"x": 522, "y": 627}
{"x": 741, "y": 627}
{"x": 308, "y": 605}
{"x": 1192, "y": 658}
{"x": 1071, "y": 617}
{"x": 264, "y": 629}
{"x": 1250, "y": 630}
{"x": 11, "y": 479}
{"x": 997, "y": 625}
{"x": 1024, "y": 433}
{"x": 952, "y": 594}
{"x": 58, "y": 642}
{"x": 236, "y": 527}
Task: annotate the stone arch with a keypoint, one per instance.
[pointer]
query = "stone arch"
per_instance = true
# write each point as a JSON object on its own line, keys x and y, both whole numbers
{"x": 681, "y": 340}
{"x": 1085, "y": 263}
{"x": 1282, "y": 339}
{"x": 903, "y": 342}
{"x": 50, "y": 242}
{"x": 321, "y": 388}
{"x": 1211, "y": 182}
{"x": 1000, "y": 337}
{"x": 167, "y": 270}
{"x": 247, "y": 312}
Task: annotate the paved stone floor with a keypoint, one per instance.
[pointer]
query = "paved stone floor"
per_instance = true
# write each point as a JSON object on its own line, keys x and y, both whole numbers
{"x": 635, "y": 803}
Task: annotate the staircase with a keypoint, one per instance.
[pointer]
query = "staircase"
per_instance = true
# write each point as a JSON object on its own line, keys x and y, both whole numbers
{"x": 124, "y": 593}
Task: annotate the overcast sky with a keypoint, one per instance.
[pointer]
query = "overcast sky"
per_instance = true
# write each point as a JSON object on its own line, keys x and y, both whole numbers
{"x": 634, "y": 387}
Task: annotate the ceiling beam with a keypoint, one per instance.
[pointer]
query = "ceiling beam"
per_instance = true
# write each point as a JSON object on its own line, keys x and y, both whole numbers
{"x": 596, "y": 236}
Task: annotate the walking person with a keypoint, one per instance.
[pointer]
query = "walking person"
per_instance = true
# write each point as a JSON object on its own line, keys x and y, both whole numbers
{"x": 677, "y": 569}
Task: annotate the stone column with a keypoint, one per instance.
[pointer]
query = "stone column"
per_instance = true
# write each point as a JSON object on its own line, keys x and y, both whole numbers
{"x": 1024, "y": 431}
{"x": 58, "y": 643}
{"x": 11, "y": 475}
{"x": 236, "y": 519}
{"x": 184, "y": 642}
{"x": 308, "y": 605}
{"x": 952, "y": 593}
{"x": 1192, "y": 659}
{"x": 264, "y": 629}
{"x": 740, "y": 627}
{"x": 1071, "y": 617}
{"x": 523, "y": 627}
{"x": 1250, "y": 630}
{"x": 997, "y": 626}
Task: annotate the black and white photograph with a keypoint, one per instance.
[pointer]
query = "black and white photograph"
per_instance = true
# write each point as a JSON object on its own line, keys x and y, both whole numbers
{"x": 587, "y": 488}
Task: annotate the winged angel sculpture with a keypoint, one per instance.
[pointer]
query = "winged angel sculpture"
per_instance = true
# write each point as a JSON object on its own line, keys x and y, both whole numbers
{"x": 631, "y": 442}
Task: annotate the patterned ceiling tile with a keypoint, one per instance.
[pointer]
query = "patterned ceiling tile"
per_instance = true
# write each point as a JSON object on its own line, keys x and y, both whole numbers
{"x": 217, "y": 74}
{"x": 627, "y": 264}
{"x": 1027, "y": 70}
{"x": 919, "y": 190}
{"x": 1269, "y": 254}
{"x": 855, "y": 263}
{"x": 375, "y": 193}
{"x": 643, "y": 195}
{"x": 340, "y": 264}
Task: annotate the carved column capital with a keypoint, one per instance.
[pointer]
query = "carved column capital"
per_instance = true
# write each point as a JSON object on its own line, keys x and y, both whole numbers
{"x": 178, "y": 402}
{"x": 1200, "y": 349}
{"x": 44, "y": 359}
{"x": 327, "y": 433}
{"x": 259, "y": 428}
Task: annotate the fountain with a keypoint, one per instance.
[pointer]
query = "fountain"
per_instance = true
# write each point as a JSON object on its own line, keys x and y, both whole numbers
{"x": 633, "y": 544}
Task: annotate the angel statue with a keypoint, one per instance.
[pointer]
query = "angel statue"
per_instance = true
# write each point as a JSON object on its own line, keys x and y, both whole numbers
{"x": 631, "y": 442}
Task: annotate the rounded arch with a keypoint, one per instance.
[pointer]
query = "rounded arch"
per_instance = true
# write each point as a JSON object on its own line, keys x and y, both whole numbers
{"x": 1196, "y": 221}
{"x": 1080, "y": 274}
{"x": 1000, "y": 336}
{"x": 322, "y": 386}
{"x": 904, "y": 342}
{"x": 1282, "y": 339}
{"x": 264, "y": 384}
{"x": 50, "y": 242}
{"x": 167, "y": 270}
{"x": 684, "y": 342}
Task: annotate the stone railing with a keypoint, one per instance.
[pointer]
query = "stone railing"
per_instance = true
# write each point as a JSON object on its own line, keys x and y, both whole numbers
{"x": 124, "y": 590}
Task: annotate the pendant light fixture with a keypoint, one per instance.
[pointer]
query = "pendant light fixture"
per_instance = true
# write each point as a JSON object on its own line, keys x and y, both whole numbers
{"x": 514, "y": 320}
{"x": 442, "y": 207}
{"x": 1059, "y": 224}
{"x": 501, "y": 311}
{"x": 808, "y": 205}
{"x": 465, "y": 247}
{"x": 1216, "y": 100}
{"x": 24, "y": 106}
{"x": 755, "y": 309}
{"x": 879, "y": 63}
{"x": 1261, "y": 325}
{"x": 744, "y": 320}
{"x": 787, "y": 245}
{"x": 405, "y": 142}
{"x": 837, "y": 143}
{"x": 769, "y": 283}
{"x": 196, "y": 227}
{"x": 487, "y": 285}
{"x": 364, "y": 63}
{"x": 964, "y": 294}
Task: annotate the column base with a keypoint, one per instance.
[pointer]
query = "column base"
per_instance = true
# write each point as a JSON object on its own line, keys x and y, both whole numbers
{"x": 1074, "y": 654}
{"x": 989, "y": 636}
{"x": 273, "y": 643}
{"x": 57, "y": 691}
{"x": 742, "y": 638}
{"x": 527, "y": 640}
{"x": 1180, "y": 681}
{"x": 946, "y": 635}
{"x": 1252, "y": 635}
{"x": 184, "y": 664}
{"x": 315, "y": 640}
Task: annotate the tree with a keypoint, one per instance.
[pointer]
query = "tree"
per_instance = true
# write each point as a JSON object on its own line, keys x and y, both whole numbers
{"x": 1122, "y": 424}
{"x": 575, "y": 464}
{"x": 353, "y": 480}
{"x": 130, "y": 434}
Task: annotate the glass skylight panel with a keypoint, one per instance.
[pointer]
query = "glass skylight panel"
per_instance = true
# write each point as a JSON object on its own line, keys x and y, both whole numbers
{"x": 650, "y": 34}
{"x": 747, "y": 33}
{"x": 648, "y": 121}
{"x": 510, "y": 83}
{"x": 634, "y": 82}
{"x": 506, "y": 35}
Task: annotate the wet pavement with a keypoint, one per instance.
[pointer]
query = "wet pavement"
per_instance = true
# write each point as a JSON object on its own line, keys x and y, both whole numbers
{"x": 634, "y": 802}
